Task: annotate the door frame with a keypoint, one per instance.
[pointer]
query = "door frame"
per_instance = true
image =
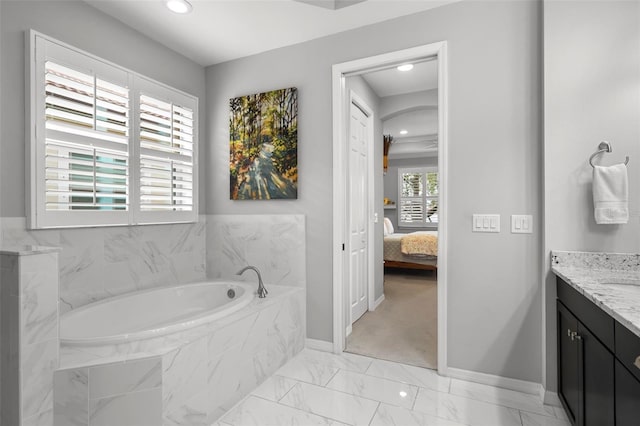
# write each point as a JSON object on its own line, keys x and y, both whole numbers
{"x": 370, "y": 255}
{"x": 339, "y": 73}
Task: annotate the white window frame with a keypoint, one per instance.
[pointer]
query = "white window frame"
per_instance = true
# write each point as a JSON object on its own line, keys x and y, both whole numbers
{"x": 425, "y": 198}
{"x": 41, "y": 48}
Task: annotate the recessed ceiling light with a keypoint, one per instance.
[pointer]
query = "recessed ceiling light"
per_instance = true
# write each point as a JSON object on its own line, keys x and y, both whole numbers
{"x": 179, "y": 6}
{"x": 405, "y": 67}
{"x": 403, "y": 132}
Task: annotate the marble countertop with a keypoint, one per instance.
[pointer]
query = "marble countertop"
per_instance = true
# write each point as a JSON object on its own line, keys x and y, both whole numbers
{"x": 610, "y": 280}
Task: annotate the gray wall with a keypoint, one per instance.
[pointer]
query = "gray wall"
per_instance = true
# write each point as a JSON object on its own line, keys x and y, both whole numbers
{"x": 391, "y": 186}
{"x": 592, "y": 75}
{"x": 494, "y": 310}
{"x": 90, "y": 30}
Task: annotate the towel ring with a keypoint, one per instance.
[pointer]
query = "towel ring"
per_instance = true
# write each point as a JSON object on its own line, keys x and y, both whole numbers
{"x": 604, "y": 147}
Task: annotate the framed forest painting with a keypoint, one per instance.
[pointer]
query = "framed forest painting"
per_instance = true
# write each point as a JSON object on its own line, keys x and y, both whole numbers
{"x": 263, "y": 151}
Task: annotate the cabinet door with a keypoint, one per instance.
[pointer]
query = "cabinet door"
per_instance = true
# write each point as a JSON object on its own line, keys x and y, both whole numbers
{"x": 569, "y": 377}
{"x": 598, "y": 382}
{"x": 627, "y": 397}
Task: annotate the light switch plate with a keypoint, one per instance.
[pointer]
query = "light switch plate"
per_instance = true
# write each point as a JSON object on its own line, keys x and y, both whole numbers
{"x": 486, "y": 223}
{"x": 521, "y": 224}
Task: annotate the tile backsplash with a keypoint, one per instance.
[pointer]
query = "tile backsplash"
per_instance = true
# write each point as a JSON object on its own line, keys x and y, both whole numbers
{"x": 275, "y": 244}
{"x": 96, "y": 263}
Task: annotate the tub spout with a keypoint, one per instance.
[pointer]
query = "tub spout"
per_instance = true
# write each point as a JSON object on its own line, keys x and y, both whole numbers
{"x": 262, "y": 292}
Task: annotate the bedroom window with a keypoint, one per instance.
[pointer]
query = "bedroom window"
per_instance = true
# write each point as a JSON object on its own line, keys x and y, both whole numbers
{"x": 418, "y": 200}
{"x": 107, "y": 146}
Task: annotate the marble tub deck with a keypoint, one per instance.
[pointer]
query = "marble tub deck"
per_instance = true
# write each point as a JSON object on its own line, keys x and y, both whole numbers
{"x": 319, "y": 388}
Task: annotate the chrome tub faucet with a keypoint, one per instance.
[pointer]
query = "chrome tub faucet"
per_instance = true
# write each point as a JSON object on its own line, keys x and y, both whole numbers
{"x": 262, "y": 292}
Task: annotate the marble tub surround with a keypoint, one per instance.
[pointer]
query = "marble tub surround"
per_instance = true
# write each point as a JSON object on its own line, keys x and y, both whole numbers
{"x": 29, "y": 297}
{"x": 283, "y": 309}
{"x": 193, "y": 379}
{"x": 96, "y": 263}
{"x": 595, "y": 274}
{"x": 275, "y": 244}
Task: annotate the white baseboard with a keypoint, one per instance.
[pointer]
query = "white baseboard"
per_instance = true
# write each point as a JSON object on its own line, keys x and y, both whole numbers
{"x": 319, "y": 345}
{"x": 497, "y": 381}
{"x": 378, "y": 302}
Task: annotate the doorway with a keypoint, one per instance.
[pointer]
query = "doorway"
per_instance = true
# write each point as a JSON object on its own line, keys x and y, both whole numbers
{"x": 343, "y": 270}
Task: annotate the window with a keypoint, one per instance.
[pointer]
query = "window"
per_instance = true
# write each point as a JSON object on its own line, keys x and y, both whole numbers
{"x": 108, "y": 146}
{"x": 418, "y": 203}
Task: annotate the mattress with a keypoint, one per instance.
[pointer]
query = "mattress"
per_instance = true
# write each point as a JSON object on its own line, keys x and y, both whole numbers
{"x": 392, "y": 251}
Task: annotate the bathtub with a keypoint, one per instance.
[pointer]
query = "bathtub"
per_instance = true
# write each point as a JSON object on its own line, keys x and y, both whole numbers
{"x": 152, "y": 313}
{"x": 175, "y": 355}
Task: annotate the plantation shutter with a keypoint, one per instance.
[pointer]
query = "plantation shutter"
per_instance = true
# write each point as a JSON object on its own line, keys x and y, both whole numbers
{"x": 411, "y": 199}
{"x": 167, "y": 153}
{"x": 106, "y": 146}
{"x": 87, "y": 141}
{"x": 418, "y": 197}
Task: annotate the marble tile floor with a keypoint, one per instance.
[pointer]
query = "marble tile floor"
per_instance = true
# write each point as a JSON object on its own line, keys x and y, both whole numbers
{"x": 320, "y": 388}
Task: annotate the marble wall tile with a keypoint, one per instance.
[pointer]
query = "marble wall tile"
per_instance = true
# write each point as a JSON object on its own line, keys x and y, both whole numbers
{"x": 39, "y": 297}
{"x": 82, "y": 267}
{"x": 96, "y": 263}
{"x": 194, "y": 412}
{"x": 123, "y": 377}
{"x": 130, "y": 409}
{"x": 10, "y": 332}
{"x": 41, "y": 419}
{"x": 71, "y": 397}
{"x": 275, "y": 244}
{"x": 14, "y": 233}
{"x": 184, "y": 374}
{"x": 39, "y": 362}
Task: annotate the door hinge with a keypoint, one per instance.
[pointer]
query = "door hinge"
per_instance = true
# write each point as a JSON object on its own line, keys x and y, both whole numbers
{"x": 342, "y": 246}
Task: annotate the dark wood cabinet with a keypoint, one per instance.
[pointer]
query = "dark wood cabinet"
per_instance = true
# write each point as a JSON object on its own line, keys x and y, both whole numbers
{"x": 586, "y": 373}
{"x": 570, "y": 364}
{"x": 596, "y": 382}
{"x": 627, "y": 397}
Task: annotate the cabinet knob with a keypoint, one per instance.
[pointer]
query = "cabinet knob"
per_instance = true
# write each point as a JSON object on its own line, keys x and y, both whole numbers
{"x": 637, "y": 363}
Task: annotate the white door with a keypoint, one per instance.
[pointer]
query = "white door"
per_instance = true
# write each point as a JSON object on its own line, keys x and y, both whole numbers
{"x": 358, "y": 211}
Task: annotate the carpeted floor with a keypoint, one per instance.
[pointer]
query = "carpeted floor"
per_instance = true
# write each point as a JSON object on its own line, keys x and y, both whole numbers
{"x": 404, "y": 327}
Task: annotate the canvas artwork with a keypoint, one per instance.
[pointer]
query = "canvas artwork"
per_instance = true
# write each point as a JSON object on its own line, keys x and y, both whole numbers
{"x": 263, "y": 152}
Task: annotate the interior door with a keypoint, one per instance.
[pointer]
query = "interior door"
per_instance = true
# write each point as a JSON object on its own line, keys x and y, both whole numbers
{"x": 358, "y": 211}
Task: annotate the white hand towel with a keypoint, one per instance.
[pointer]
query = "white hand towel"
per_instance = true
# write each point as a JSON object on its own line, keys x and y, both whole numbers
{"x": 611, "y": 194}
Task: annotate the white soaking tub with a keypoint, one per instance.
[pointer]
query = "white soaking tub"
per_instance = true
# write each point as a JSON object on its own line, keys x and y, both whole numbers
{"x": 152, "y": 313}
{"x": 173, "y": 356}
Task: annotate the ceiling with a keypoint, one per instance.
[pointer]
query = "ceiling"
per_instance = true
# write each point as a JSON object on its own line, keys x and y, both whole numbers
{"x": 420, "y": 118}
{"x": 390, "y": 81}
{"x": 221, "y": 30}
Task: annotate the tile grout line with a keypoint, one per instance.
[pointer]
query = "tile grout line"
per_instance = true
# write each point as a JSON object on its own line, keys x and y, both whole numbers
{"x": 374, "y": 413}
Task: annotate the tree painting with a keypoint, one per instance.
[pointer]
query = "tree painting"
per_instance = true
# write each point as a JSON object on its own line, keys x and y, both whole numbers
{"x": 263, "y": 152}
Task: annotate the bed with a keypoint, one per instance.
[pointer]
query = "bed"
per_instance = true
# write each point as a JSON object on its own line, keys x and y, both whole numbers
{"x": 417, "y": 252}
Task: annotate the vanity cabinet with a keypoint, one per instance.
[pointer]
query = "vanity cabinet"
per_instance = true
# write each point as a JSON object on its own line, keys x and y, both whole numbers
{"x": 598, "y": 363}
{"x": 585, "y": 359}
{"x": 627, "y": 373}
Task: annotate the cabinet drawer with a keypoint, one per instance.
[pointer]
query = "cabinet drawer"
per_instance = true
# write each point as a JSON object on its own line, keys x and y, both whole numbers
{"x": 628, "y": 349}
{"x": 594, "y": 318}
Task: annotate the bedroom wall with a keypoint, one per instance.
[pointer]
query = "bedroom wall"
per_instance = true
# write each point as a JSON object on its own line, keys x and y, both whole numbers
{"x": 391, "y": 186}
{"x": 592, "y": 77}
{"x": 495, "y": 164}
